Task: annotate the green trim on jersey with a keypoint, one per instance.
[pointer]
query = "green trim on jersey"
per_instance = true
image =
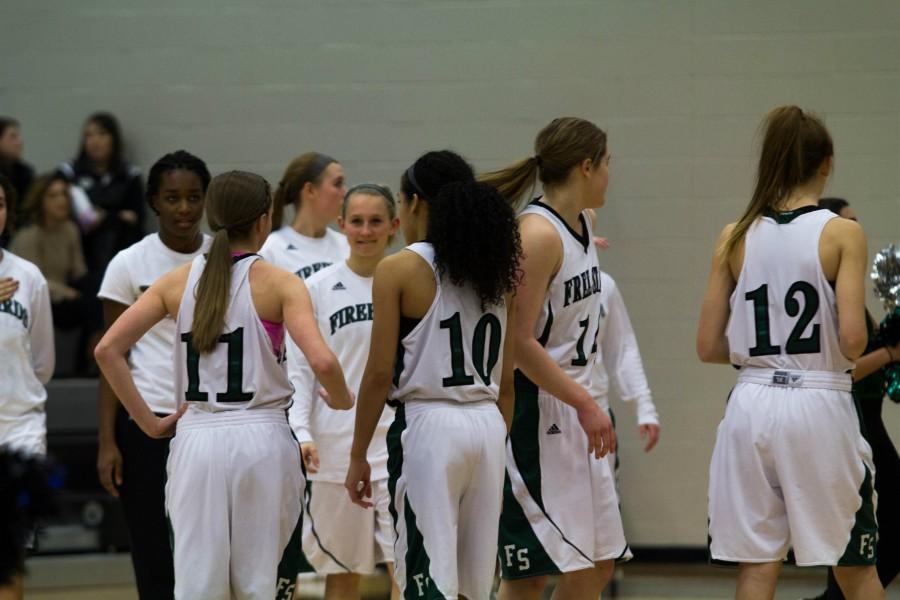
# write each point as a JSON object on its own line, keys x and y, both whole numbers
{"x": 783, "y": 218}
{"x": 418, "y": 575}
{"x": 290, "y": 563}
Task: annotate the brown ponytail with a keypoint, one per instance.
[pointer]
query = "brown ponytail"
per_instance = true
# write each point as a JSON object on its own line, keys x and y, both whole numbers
{"x": 559, "y": 147}
{"x": 794, "y": 146}
{"x": 306, "y": 168}
{"x": 234, "y": 202}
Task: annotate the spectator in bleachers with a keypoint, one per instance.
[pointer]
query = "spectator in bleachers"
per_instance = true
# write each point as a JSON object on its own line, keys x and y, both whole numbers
{"x": 51, "y": 240}
{"x": 114, "y": 188}
{"x": 12, "y": 166}
{"x": 112, "y": 216}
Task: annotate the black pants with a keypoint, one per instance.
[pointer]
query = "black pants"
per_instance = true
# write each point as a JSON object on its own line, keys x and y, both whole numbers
{"x": 143, "y": 500}
{"x": 887, "y": 486}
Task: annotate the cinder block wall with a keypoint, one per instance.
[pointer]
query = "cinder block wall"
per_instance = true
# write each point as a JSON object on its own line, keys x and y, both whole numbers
{"x": 680, "y": 87}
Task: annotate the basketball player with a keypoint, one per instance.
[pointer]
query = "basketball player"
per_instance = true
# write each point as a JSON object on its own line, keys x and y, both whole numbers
{"x": 441, "y": 309}
{"x": 785, "y": 304}
{"x": 340, "y": 539}
{"x": 619, "y": 362}
{"x": 130, "y": 464}
{"x": 26, "y": 345}
{"x": 313, "y": 184}
{"x": 234, "y": 470}
{"x": 560, "y": 509}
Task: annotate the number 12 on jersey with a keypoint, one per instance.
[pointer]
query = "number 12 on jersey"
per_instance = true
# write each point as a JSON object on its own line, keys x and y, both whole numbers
{"x": 796, "y": 343}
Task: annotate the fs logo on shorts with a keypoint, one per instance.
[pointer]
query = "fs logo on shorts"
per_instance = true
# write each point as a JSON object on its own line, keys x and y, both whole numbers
{"x": 787, "y": 378}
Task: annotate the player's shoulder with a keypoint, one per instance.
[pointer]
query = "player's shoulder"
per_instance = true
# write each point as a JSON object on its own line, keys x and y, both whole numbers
{"x": 23, "y": 269}
{"x": 323, "y": 277}
{"x": 138, "y": 251}
{"x": 607, "y": 283}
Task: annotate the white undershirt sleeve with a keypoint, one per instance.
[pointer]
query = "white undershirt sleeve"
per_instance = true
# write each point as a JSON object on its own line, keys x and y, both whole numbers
{"x": 622, "y": 360}
{"x": 40, "y": 327}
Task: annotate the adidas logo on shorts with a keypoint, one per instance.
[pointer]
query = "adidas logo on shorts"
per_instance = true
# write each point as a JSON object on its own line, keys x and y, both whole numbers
{"x": 338, "y": 286}
{"x": 291, "y": 247}
{"x": 553, "y": 429}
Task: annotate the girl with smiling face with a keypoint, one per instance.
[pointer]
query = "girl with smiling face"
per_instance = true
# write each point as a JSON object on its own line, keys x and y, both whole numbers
{"x": 340, "y": 539}
{"x": 130, "y": 464}
{"x": 314, "y": 185}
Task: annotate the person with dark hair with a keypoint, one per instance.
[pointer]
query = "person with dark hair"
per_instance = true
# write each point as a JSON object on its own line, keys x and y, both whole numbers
{"x": 26, "y": 347}
{"x": 130, "y": 464}
{"x": 8, "y": 285}
{"x": 234, "y": 474}
{"x": 19, "y": 173}
{"x": 313, "y": 184}
{"x": 51, "y": 240}
{"x": 441, "y": 307}
{"x": 114, "y": 188}
{"x": 785, "y": 303}
{"x": 342, "y": 540}
{"x": 868, "y": 391}
{"x": 560, "y": 508}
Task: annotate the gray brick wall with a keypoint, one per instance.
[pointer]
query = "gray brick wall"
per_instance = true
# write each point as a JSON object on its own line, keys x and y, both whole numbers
{"x": 680, "y": 86}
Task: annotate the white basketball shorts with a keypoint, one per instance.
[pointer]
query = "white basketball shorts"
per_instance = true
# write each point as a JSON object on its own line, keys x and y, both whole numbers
{"x": 791, "y": 468}
{"x": 233, "y": 500}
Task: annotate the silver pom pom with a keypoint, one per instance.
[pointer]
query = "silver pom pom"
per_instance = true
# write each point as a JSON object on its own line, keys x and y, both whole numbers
{"x": 886, "y": 276}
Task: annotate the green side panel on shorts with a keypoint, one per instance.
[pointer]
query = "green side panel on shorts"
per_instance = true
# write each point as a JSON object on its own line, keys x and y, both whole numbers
{"x": 515, "y": 530}
{"x": 862, "y": 548}
{"x": 290, "y": 563}
{"x": 518, "y": 546}
{"x": 418, "y": 576}
{"x": 419, "y": 584}
{"x": 524, "y": 435}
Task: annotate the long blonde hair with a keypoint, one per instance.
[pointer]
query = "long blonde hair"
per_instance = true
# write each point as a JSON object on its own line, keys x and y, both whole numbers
{"x": 234, "y": 202}
{"x": 794, "y": 146}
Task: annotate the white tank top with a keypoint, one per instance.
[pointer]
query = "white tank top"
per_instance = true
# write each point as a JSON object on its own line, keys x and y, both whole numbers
{"x": 569, "y": 320}
{"x": 456, "y": 351}
{"x": 783, "y": 312}
{"x": 242, "y": 372}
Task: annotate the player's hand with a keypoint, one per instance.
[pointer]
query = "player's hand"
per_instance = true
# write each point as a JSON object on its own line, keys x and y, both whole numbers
{"x": 310, "y": 456}
{"x": 8, "y": 287}
{"x": 649, "y": 433}
{"x": 324, "y": 395}
{"x": 358, "y": 483}
{"x": 598, "y": 428}
{"x": 109, "y": 467}
{"x": 164, "y": 427}
{"x": 601, "y": 242}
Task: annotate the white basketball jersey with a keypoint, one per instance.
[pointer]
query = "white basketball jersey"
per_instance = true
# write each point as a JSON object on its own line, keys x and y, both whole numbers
{"x": 342, "y": 303}
{"x": 302, "y": 254}
{"x": 783, "y": 312}
{"x": 569, "y": 319}
{"x": 243, "y": 371}
{"x": 456, "y": 351}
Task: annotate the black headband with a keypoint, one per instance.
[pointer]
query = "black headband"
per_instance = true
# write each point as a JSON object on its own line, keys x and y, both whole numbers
{"x": 322, "y": 162}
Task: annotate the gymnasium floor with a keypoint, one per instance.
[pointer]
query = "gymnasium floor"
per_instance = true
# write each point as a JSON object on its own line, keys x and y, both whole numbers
{"x": 108, "y": 577}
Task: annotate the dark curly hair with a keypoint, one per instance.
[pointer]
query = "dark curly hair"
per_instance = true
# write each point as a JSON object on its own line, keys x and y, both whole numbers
{"x": 474, "y": 231}
{"x": 174, "y": 161}
{"x": 476, "y": 240}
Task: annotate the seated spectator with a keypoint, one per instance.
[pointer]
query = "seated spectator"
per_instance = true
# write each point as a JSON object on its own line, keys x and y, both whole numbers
{"x": 52, "y": 241}
{"x": 12, "y": 166}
